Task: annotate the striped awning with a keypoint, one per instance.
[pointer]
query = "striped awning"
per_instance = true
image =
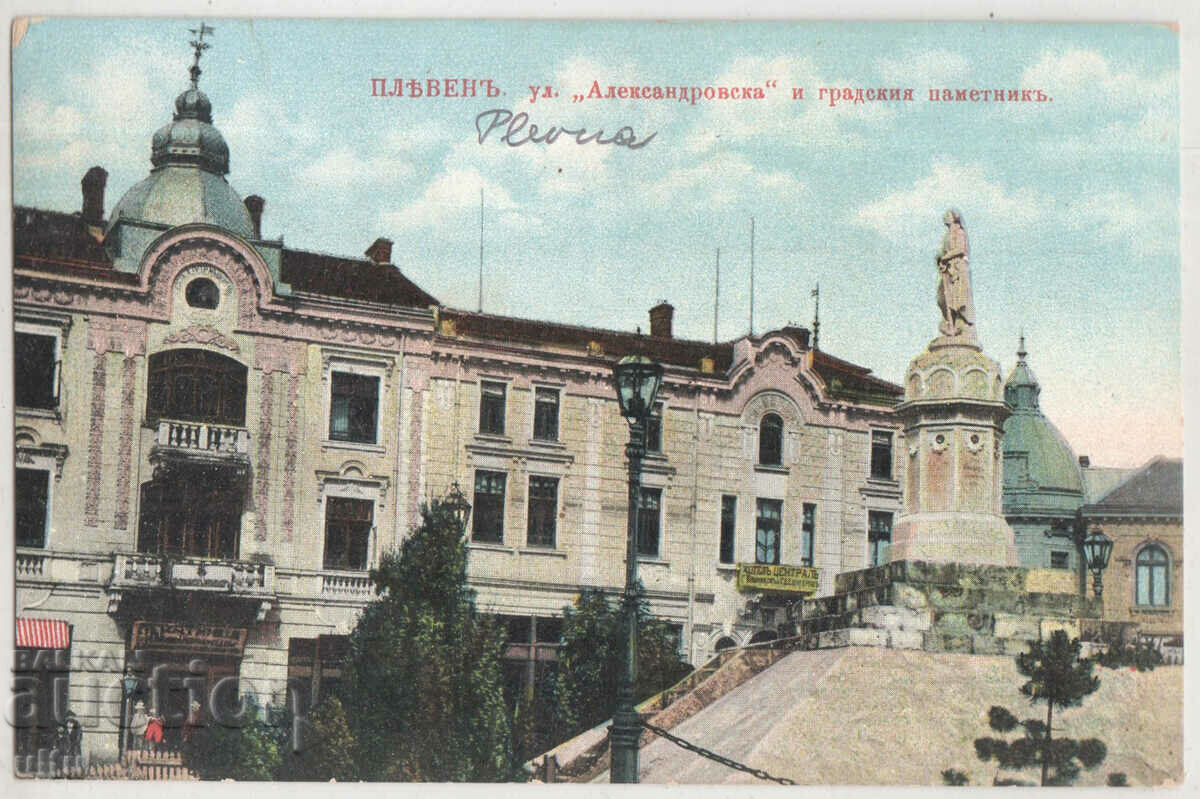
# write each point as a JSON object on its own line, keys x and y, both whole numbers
{"x": 43, "y": 633}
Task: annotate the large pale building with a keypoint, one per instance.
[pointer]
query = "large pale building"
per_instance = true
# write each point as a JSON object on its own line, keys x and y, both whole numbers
{"x": 216, "y": 437}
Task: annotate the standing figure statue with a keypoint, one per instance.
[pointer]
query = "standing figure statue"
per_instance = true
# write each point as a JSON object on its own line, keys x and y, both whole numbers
{"x": 954, "y": 285}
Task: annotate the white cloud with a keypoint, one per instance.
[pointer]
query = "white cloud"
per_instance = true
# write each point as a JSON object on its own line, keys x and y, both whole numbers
{"x": 724, "y": 179}
{"x": 452, "y": 197}
{"x": 926, "y": 69}
{"x": 1084, "y": 74}
{"x": 343, "y": 169}
{"x": 904, "y": 216}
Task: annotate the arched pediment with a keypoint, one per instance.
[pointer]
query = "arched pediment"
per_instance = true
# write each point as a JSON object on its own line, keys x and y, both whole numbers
{"x": 769, "y": 401}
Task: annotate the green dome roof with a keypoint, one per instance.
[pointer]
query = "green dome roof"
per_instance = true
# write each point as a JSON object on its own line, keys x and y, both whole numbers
{"x": 187, "y": 183}
{"x": 1036, "y": 456}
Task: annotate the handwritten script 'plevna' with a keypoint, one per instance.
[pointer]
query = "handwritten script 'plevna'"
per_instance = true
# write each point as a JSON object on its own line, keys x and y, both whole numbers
{"x": 515, "y": 131}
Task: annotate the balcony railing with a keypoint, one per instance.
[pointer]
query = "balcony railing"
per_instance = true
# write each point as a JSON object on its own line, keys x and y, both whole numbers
{"x": 30, "y": 566}
{"x": 241, "y": 578}
{"x": 202, "y": 437}
{"x": 341, "y": 585}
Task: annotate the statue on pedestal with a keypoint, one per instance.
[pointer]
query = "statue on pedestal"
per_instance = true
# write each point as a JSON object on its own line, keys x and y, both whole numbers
{"x": 954, "y": 285}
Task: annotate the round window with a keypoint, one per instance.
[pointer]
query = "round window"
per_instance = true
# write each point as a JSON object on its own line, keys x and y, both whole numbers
{"x": 202, "y": 293}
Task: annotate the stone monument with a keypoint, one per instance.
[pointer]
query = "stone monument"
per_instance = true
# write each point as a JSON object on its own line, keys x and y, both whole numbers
{"x": 953, "y": 584}
{"x": 953, "y": 414}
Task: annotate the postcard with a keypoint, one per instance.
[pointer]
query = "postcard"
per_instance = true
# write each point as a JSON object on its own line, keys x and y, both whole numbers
{"x": 683, "y": 402}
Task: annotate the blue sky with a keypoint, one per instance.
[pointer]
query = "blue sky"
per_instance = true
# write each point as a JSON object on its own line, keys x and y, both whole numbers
{"x": 1071, "y": 206}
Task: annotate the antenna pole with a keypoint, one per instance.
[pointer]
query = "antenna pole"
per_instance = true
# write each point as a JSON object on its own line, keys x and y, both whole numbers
{"x": 751, "y": 276}
{"x": 717, "y": 296}
{"x": 481, "y": 249}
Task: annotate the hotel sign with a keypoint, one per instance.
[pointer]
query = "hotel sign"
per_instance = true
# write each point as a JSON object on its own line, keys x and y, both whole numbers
{"x": 210, "y": 638}
{"x": 784, "y": 579}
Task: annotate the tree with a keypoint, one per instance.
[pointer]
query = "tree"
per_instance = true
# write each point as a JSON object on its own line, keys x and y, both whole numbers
{"x": 423, "y": 686}
{"x": 322, "y": 748}
{"x": 247, "y": 748}
{"x": 1058, "y": 677}
{"x": 589, "y": 661}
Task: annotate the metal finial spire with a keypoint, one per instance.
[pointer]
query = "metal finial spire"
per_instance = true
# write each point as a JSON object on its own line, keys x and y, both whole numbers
{"x": 816, "y": 292}
{"x": 1021, "y": 353}
{"x": 199, "y": 45}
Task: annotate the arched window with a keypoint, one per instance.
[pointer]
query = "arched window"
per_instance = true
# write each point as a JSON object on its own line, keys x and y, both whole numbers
{"x": 762, "y": 636}
{"x": 1152, "y": 581}
{"x": 770, "y": 440}
{"x": 724, "y": 643}
{"x": 196, "y": 386}
{"x": 193, "y": 511}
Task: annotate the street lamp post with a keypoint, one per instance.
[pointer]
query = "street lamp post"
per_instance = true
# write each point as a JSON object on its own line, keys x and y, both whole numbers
{"x": 456, "y": 501}
{"x": 637, "y": 380}
{"x": 1097, "y": 548}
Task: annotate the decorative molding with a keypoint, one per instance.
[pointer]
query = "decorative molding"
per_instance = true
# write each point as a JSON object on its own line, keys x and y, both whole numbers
{"x": 202, "y": 334}
{"x": 262, "y": 471}
{"x": 280, "y": 356}
{"x": 126, "y": 336}
{"x": 290, "y": 455}
{"x": 125, "y": 444}
{"x": 29, "y": 454}
{"x": 91, "y": 510}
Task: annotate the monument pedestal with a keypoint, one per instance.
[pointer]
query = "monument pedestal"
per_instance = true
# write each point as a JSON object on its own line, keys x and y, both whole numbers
{"x": 953, "y": 414}
{"x": 945, "y": 607}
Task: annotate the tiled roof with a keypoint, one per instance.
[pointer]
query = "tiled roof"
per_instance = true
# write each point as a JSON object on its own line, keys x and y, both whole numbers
{"x": 46, "y": 238}
{"x": 611, "y": 343}
{"x": 1155, "y": 488}
{"x": 847, "y": 379}
{"x": 352, "y": 279}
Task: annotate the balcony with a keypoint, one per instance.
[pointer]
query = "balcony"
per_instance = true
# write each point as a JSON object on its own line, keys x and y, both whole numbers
{"x": 236, "y": 578}
{"x": 203, "y": 438}
{"x": 354, "y": 586}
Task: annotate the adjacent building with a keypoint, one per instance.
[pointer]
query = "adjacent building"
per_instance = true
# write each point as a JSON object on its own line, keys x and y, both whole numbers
{"x": 217, "y": 435}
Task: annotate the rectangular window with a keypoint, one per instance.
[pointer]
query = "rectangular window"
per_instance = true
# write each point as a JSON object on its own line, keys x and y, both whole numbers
{"x": 545, "y": 414}
{"x": 35, "y": 371}
{"x": 649, "y": 522}
{"x": 879, "y": 536}
{"x": 543, "y": 511}
{"x": 881, "y": 455}
{"x": 766, "y": 539}
{"x": 808, "y": 532}
{"x": 654, "y": 429}
{"x": 32, "y": 495}
{"x": 1059, "y": 560}
{"x": 728, "y": 527}
{"x": 347, "y": 532}
{"x": 354, "y": 408}
{"x": 487, "y": 517}
{"x": 491, "y": 408}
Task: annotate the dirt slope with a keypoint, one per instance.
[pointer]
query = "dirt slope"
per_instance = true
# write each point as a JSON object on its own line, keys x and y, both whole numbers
{"x": 879, "y": 716}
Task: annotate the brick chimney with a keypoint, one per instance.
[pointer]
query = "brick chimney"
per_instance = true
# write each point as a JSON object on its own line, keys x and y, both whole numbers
{"x": 93, "y": 195}
{"x": 255, "y": 205}
{"x": 1084, "y": 462}
{"x": 660, "y": 319}
{"x": 381, "y": 251}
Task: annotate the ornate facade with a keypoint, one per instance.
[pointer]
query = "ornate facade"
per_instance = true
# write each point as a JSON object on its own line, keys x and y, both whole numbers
{"x": 217, "y": 436}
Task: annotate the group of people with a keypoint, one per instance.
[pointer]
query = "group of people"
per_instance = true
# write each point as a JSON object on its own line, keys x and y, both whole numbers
{"x": 146, "y": 728}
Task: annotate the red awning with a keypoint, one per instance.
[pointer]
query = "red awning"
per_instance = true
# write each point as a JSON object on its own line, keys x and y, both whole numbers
{"x": 43, "y": 633}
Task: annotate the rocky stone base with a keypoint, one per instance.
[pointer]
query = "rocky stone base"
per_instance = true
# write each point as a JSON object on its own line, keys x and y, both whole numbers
{"x": 943, "y": 607}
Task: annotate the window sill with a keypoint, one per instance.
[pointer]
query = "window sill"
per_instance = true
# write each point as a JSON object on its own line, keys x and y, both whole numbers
{"x": 489, "y": 547}
{"x": 727, "y": 567}
{"x": 548, "y": 443}
{"x": 762, "y": 467}
{"x": 657, "y": 455}
{"x": 1152, "y": 610}
{"x": 495, "y": 438}
{"x": 40, "y": 413}
{"x": 353, "y": 445}
{"x": 554, "y": 553}
{"x": 648, "y": 560}
{"x": 889, "y": 482}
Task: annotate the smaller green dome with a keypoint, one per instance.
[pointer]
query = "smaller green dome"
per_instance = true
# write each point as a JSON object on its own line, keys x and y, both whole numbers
{"x": 1037, "y": 458}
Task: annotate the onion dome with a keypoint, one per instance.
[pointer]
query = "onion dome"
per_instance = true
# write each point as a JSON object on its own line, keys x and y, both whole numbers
{"x": 1036, "y": 456}
{"x": 190, "y": 159}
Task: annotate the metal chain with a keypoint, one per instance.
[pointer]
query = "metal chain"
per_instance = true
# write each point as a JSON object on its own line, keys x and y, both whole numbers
{"x": 724, "y": 761}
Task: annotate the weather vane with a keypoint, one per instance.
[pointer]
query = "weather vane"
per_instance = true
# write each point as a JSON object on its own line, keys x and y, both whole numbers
{"x": 200, "y": 46}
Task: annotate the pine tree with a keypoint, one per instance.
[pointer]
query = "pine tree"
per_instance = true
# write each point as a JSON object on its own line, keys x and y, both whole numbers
{"x": 1058, "y": 677}
{"x": 423, "y": 690}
